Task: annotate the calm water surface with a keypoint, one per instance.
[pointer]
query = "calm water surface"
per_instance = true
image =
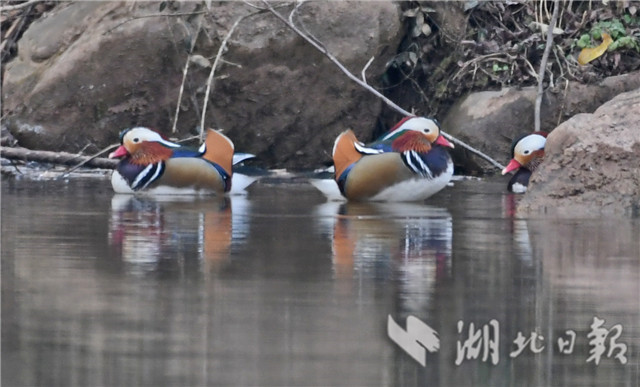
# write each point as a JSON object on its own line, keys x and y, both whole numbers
{"x": 280, "y": 287}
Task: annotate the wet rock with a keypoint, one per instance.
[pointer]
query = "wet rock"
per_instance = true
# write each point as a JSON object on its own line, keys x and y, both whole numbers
{"x": 90, "y": 69}
{"x": 592, "y": 164}
{"x": 489, "y": 120}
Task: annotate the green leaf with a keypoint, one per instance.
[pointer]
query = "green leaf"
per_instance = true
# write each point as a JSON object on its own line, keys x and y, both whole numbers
{"x": 584, "y": 41}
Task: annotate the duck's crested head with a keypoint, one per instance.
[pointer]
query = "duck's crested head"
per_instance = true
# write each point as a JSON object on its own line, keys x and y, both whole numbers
{"x": 525, "y": 149}
{"x": 428, "y": 127}
{"x": 143, "y": 145}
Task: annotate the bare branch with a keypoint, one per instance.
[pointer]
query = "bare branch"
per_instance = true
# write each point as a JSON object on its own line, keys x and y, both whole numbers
{"x": 58, "y": 157}
{"x": 364, "y": 69}
{"x": 223, "y": 45}
{"x": 333, "y": 59}
{"x": 543, "y": 64}
{"x": 92, "y": 159}
{"x": 218, "y": 59}
{"x": 7, "y": 8}
{"x": 184, "y": 76}
{"x": 372, "y": 90}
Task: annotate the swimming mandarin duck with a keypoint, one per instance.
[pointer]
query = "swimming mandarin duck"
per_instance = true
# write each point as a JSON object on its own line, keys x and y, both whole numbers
{"x": 409, "y": 163}
{"x": 527, "y": 152}
{"x": 152, "y": 163}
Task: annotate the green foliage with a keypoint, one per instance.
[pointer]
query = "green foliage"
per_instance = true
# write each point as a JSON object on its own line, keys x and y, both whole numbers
{"x": 625, "y": 42}
{"x": 584, "y": 41}
{"x": 497, "y": 67}
{"x": 617, "y": 29}
{"x": 614, "y": 27}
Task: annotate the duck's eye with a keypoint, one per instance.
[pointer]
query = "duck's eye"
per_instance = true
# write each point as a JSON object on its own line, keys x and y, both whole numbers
{"x": 526, "y": 152}
{"x": 136, "y": 140}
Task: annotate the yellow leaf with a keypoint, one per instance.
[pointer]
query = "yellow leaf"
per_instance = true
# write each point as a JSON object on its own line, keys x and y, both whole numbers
{"x": 589, "y": 54}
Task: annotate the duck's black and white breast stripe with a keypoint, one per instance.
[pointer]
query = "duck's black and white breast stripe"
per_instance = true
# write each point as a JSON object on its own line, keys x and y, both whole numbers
{"x": 428, "y": 165}
{"x": 140, "y": 177}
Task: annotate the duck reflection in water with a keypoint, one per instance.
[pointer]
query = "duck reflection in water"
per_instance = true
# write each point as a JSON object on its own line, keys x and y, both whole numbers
{"x": 166, "y": 233}
{"x": 407, "y": 242}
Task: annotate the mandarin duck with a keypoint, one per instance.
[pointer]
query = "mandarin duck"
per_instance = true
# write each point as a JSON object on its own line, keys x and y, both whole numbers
{"x": 527, "y": 152}
{"x": 152, "y": 163}
{"x": 409, "y": 163}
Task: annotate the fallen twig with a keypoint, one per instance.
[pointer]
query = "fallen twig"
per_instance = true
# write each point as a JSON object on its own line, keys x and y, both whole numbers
{"x": 65, "y": 158}
{"x": 543, "y": 64}
{"x": 372, "y": 90}
{"x": 89, "y": 159}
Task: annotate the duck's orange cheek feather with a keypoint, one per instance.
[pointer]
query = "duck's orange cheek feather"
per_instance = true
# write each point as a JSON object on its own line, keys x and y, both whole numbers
{"x": 411, "y": 141}
{"x": 150, "y": 153}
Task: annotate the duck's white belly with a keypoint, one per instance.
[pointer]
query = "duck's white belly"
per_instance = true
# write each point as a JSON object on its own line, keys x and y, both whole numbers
{"x": 414, "y": 189}
{"x": 239, "y": 184}
{"x": 121, "y": 186}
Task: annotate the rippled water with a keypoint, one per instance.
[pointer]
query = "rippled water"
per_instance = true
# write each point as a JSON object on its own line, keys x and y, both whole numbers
{"x": 280, "y": 287}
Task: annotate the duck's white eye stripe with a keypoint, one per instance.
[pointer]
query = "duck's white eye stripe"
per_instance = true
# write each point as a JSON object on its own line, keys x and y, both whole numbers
{"x": 169, "y": 143}
{"x": 531, "y": 143}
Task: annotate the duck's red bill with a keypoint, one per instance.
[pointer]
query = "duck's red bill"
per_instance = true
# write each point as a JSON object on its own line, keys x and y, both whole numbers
{"x": 120, "y": 152}
{"x": 513, "y": 164}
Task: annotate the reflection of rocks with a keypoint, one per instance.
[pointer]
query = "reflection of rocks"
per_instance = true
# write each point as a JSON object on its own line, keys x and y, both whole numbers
{"x": 489, "y": 120}
{"x": 592, "y": 163}
{"x": 90, "y": 69}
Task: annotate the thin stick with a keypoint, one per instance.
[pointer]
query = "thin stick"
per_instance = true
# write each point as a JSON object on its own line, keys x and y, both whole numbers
{"x": 66, "y": 158}
{"x": 218, "y": 59}
{"x": 386, "y": 100}
{"x": 7, "y": 8}
{"x": 88, "y": 159}
{"x": 184, "y": 76}
{"x": 223, "y": 45}
{"x": 333, "y": 59}
{"x": 543, "y": 64}
{"x": 185, "y": 70}
{"x": 364, "y": 69}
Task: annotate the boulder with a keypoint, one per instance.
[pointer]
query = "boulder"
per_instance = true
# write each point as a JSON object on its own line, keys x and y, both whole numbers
{"x": 489, "y": 120}
{"x": 592, "y": 164}
{"x": 90, "y": 69}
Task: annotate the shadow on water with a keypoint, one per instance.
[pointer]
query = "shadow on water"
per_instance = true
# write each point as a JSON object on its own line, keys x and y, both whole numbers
{"x": 280, "y": 287}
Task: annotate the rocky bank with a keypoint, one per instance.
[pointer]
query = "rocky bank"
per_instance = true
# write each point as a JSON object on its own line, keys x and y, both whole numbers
{"x": 592, "y": 164}
{"x": 86, "y": 70}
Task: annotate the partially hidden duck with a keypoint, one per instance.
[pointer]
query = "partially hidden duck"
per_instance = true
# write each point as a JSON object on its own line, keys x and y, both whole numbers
{"x": 409, "y": 163}
{"x": 527, "y": 152}
{"x": 152, "y": 163}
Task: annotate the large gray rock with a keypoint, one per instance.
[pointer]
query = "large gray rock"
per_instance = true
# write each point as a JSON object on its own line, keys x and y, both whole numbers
{"x": 592, "y": 164}
{"x": 489, "y": 120}
{"x": 90, "y": 69}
